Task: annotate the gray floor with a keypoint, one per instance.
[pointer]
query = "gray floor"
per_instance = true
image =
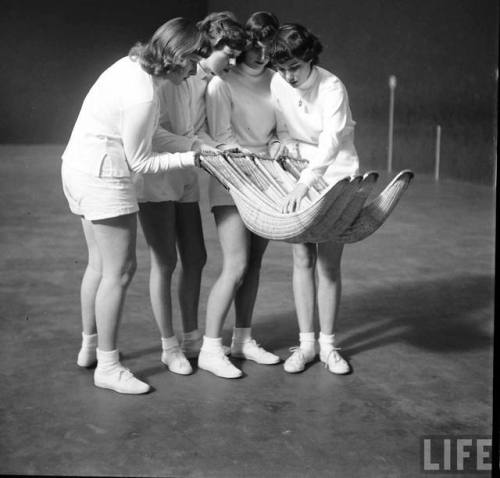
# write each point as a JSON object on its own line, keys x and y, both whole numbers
{"x": 416, "y": 323}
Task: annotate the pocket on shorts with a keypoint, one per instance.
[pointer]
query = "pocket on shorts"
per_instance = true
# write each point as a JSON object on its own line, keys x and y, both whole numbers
{"x": 113, "y": 166}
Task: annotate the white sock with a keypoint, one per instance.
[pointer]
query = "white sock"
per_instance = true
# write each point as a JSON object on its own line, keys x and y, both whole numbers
{"x": 89, "y": 341}
{"x": 211, "y": 344}
{"x": 169, "y": 342}
{"x": 107, "y": 361}
{"x": 307, "y": 343}
{"x": 193, "y": 335}
{"x": 242, "y": 334}
{"x": 326, "y": 341}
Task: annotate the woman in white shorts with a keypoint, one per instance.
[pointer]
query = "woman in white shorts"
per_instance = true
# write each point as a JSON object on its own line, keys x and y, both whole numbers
{"x": 169, "y": 210}
{"x": 240, "y": 116}
{"x": 111, "y": 141}
{"x": 314, "y": 118}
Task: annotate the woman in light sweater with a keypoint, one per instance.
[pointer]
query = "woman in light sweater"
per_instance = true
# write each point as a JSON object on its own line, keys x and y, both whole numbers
{"x": 111, "y": 141}
{"x": 169, "y": 210}
{"x": 314, "y": 118}
{"x": 240, "y": 115}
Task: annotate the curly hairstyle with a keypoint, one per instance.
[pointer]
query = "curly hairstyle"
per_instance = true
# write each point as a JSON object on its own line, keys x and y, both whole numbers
{"x": 295, "y": 41}
{"x": 169, "y": 47}
{"x": 262, "y": 27}
{"x": 220, "y": 29}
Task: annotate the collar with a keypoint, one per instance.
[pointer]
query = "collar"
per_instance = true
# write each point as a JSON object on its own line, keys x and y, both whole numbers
{"x": 244, "y": 68}
{"x": 311, "y": 80}
{"x": 203, "y": 72}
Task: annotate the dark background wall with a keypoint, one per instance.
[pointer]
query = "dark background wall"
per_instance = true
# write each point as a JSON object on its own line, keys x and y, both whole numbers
{"x": 443, "y": 53}
{"x": 53, "y": 50}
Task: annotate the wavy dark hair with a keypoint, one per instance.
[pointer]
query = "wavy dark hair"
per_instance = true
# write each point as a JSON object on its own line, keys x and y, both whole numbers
{"x": 295, "y": 41}
{"x": 169, "y": 47}
{"x": 220, "y": 29}
{"x": 262, "y": 27}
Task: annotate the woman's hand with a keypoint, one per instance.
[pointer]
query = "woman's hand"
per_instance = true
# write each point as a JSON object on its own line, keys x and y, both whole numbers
{"x": 292, "y": 201}
{"x": 200, "y": 147}
{"x": 276, "y": 149}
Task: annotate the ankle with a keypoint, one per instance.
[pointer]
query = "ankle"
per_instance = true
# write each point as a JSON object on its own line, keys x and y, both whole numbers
{"x": 168, "y": 343}
{"x": 192, "y": 335}
{"x": 211, "y": 344}
{"x": 242, "y": 335}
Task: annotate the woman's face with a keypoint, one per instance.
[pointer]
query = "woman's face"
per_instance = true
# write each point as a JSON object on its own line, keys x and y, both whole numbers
{"x": 257, "y": 57}
{"x": 182, "y": 73}
{"x": 295, "y": 71}
{"x": 221, "y": 61}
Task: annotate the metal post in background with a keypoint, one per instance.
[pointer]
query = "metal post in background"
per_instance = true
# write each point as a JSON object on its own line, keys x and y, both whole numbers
{"x": 437, "y": 158}
{"x": 392, "y": 88}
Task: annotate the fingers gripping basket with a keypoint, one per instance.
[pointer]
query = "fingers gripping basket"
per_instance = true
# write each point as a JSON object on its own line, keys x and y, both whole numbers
{"x": 335, "y": 212}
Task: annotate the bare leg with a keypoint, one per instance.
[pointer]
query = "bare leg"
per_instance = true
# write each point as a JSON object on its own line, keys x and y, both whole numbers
{"x": 329, "y": 284}
{"x": 116, "y": 241}
{"x": 304, "y": 289}
{"x": 191, "y": 246}
{"x": 90, "y": 281}
{"x": 158, "y": 225}
{"x": 234, "y": 239}
{"x": 329, "y": 292}
{"x": 246, "y": 295}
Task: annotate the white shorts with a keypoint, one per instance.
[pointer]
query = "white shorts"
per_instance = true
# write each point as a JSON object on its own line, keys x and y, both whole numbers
{"x": 97, "y": 198}
{"x": 180, "y": 186}
{"x": 218, "y": 195}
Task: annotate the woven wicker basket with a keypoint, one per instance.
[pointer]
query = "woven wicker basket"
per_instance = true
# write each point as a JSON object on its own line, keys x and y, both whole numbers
{"x": 336, "y": 212}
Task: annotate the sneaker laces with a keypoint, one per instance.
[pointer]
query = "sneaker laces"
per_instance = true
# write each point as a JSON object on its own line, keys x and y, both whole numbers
{"x": 125, "y": 373}
{"x": 176, "y": 353}
{"x": 336, "y": 356}
{"x": 297, "y": 353}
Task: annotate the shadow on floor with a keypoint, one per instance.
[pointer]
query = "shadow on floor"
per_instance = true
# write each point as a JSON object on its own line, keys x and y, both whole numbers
{"x": 445, "y": 314}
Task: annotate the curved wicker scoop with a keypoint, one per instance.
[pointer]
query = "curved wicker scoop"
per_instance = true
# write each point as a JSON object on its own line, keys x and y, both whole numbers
{"x": 336, "y": 212}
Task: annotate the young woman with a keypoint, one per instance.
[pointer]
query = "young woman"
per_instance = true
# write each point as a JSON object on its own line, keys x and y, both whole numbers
{"x": 169, "y": 210}
{"x": 314, "y": 117}
{"x": 240, "y": 115}
{"x": 111, "y": 140}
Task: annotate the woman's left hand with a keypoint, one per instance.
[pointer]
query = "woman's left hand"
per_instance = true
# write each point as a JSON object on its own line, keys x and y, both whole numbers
{"x": 292, "y": 201}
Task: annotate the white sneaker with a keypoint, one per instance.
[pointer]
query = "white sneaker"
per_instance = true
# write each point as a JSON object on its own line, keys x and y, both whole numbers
{"x": 218, "y": 363}
{"x": 297, "y": 361}
{"x": 251, "y": 350}
{"x": 87, "y": 357}
{"x": 176, "y": 361}
{"x": 121, "y": 380}
{"x": 191, "y": 348}
{"x": 334, "y": 362}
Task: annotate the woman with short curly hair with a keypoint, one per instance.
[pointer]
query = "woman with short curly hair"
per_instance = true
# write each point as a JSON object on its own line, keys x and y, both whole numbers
{"x": 240, "y": 116}
{"x": 315, "y": 120}
{"x": 112, "y": 139}
{"x": 169, "y": 210}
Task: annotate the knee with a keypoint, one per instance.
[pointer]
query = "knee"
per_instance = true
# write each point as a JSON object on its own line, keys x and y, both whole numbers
{"x": 128, "y": 272}
{"x": 235, "y": 271}
{"x": 194, "y": 261}
{"x": 303, "y": 260}
{"x": 165, "y": 265}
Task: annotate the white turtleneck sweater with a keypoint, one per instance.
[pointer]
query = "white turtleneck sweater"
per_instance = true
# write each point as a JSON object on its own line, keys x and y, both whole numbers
{"x": 317, "y": 117}
{"x": 239, "y": 109}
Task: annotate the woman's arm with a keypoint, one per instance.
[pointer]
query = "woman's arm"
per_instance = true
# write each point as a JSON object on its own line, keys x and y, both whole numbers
{"x": 218, "y": 102}
{"x": 335, "y": 117}
{"x": 138, "y": 130}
